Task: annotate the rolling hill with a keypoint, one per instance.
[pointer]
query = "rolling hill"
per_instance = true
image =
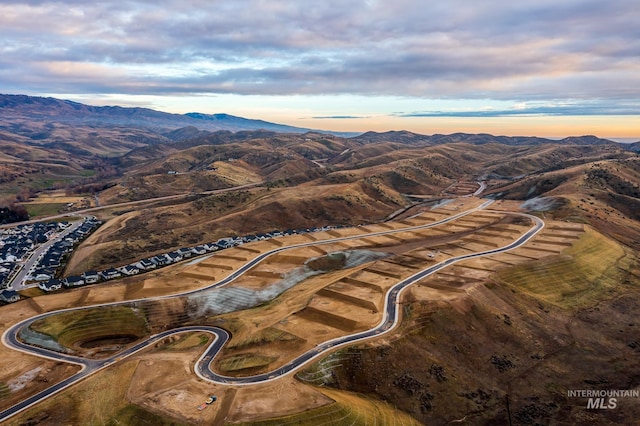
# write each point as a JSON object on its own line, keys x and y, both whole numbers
{"x": 313, "y": 180}
{"x": 130, "y": 154}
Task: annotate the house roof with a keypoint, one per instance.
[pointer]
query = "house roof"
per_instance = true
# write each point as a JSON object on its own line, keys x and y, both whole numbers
{"x": 9, "y": 295}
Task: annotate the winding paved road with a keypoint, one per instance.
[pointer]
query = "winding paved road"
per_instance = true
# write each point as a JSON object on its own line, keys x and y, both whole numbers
{"x": 390, "y": 319}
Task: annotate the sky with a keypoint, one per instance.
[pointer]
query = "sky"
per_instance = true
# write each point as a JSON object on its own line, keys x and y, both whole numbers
{"x": 549, "y": 68}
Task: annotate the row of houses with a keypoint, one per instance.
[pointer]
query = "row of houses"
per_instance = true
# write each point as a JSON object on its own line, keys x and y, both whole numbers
{"x": 164, "y": 259}
{"x": 143, "y": 265}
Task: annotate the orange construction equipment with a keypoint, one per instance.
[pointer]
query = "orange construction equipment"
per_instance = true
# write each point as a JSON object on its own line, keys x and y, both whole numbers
{"x": 208, "y": 402}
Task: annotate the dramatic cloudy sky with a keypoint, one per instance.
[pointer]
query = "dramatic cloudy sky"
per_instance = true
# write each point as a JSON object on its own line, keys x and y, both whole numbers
{"x": 545, "y": 67}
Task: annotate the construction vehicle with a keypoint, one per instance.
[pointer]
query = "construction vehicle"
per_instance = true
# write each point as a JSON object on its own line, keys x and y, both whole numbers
{"x": 208, "y": 402}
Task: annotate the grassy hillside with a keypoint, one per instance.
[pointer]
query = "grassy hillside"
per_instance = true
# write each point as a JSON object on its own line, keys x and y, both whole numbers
{"x": 588, "y": 271}
{"x": 349, "y": 408}
{"x": 84, "y": 330}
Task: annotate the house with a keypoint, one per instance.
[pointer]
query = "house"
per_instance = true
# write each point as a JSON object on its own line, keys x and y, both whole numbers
{"x": 199, "y": 249}
{"x": 248, "y": 238}
{"x": 48, "y": 270}
{"x": 51, "y": 260}
{"x": 211, "y": 247}
{"x": 174, "y": 256}
{"x": 185, "y": 252}
{"x": 225, "y": 242}
{"x": 64, "y": 246}
{"x": 73, "y": 281}
{"x": 91, "y": 277}
{"x": 111, "y": 273}
{"x": 129, "y": 270}
{"x": 51, "y": 285}
{"x": 9, "y": 296}
{"x": 145, "y": 264}
{"x": 43, "y": 277}
{"x": 160, "y": 260}
{"x": 41, "y": 238}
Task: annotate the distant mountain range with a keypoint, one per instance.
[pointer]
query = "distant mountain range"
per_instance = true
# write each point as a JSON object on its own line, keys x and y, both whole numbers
{"x": 51, "y": 110}
{"x": 410, "y": 138}
{"x": 36, "y": 118}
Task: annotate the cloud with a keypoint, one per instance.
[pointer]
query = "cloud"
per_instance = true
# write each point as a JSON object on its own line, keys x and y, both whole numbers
{"x": 497, "y": 49}
{"x": 338, "y": 117}
{"x": 585, "y": 109}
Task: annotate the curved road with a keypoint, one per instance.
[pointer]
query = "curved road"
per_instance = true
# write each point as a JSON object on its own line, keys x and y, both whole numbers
{"x": 390, "y": 319}
{"x": 89, "y": 367}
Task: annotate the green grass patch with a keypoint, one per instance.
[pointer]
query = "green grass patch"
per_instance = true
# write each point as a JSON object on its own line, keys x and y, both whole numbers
{"x": 134, "y": 415}
{"x": 4, "y": 390}
{"x": 348, "y": 409}
{"x": 49, "y": 209}
{"x": 245, "y": 361}
{"x": 577, "y": 277}
{"x": 188, "y": 341}
{"x": 69, "y": 327}
{"x": 264, "y": 336}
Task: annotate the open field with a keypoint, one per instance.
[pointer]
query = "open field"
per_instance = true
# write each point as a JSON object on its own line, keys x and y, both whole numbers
{"x": 347, "y": 408}
{"x": 49, "y": 203}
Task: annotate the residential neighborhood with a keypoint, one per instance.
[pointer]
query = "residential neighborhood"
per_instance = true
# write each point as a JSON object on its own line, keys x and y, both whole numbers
{"x": 19, "y": 243}
{"x": 41, "y": 248}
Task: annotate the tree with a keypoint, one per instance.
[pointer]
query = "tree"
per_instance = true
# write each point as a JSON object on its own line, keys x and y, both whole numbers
{"x": 13, "y": 212}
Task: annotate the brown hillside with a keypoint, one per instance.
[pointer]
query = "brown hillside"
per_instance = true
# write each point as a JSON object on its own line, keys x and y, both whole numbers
{"x": 337, "y": 194}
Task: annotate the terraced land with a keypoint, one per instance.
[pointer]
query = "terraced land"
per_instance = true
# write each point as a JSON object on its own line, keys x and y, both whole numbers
{"x": 351, "y": 299}
{"x": 300, "y": 297}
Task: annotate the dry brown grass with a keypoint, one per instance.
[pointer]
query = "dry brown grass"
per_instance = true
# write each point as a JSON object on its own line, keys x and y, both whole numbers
{"x": 92, "y": 401}
{"x": 347, "y": 408}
